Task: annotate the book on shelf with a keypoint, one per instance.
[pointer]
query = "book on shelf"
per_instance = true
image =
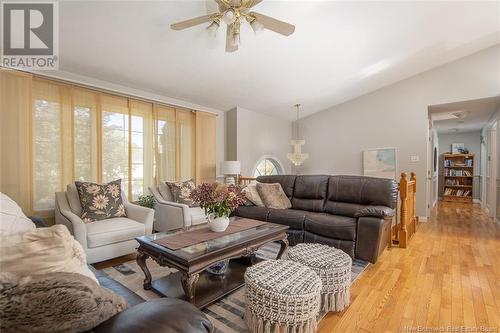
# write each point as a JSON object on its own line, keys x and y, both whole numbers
{"x": 457, "y": 193}
{"x": 451, "y": 163}
{"x": 458, "y": 173}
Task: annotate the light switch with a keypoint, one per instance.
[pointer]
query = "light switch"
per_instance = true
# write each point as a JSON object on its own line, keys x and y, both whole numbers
{"x": 414, "y": 158}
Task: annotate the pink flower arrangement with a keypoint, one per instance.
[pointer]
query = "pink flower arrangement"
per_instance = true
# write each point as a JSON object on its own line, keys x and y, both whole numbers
{"x": 218, "y": 198}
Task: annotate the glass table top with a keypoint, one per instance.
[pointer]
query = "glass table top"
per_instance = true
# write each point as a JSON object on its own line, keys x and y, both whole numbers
{"x": 212, "y": 245}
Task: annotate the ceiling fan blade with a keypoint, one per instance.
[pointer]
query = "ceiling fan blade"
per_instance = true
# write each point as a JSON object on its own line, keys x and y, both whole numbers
{"x": 222, "y": 5}
{"x": 192, "y": 22}
{"x": 230, "y": 47}
{"x": 275, "y": 25}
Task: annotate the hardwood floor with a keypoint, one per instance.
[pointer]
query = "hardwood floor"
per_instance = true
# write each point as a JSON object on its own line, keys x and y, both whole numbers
{"x": 448, "y": 276}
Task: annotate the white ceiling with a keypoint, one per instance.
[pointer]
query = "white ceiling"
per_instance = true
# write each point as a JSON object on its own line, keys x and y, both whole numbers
{"x": 340, "y": 50}
{"x": 476, "y": 114}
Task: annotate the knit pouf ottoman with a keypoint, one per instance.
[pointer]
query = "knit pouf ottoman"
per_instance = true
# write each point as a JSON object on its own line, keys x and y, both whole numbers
{"x": 333, "y": 266}
{"x": 281, "y": 296}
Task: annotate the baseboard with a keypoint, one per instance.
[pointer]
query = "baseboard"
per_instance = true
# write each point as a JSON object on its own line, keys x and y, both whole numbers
{"x": 477, "y": 201}
{"x": 422, "y": 219}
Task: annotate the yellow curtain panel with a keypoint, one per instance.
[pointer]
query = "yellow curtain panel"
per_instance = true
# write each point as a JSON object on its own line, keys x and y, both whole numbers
{"x": 54, "y": 133}
{"x": 15, "y": 156}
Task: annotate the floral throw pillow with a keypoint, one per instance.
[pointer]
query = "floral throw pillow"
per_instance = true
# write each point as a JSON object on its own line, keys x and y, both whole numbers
{"x": 181, "y": 191}
{"x": 100, "y": 202}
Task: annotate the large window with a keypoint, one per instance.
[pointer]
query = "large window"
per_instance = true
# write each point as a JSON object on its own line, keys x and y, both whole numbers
{"x": 46, "y": 132}
{"x": 267, "y": 166}
{"x": 71, "y": 133}
{"x": 115, "y": 140}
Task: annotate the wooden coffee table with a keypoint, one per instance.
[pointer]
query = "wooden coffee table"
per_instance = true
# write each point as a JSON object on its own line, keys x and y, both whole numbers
{"x": 192, "y": 282}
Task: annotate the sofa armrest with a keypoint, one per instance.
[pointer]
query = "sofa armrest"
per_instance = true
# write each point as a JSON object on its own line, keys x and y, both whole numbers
{"x": 64, "y": 215}
{"x": 171, "y": 215}
{"x": 158, "y": 315}
{"x": 140, "y": 214}
{"x": 382, "y": 212}
{"x": 372, "y": 237}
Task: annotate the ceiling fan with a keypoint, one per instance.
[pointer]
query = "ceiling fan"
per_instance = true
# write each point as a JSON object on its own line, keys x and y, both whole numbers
{"x": 232, "y": 13}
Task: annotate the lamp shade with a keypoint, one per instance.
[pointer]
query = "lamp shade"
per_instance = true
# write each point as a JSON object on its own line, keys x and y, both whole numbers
{"x": 230, "y": 167}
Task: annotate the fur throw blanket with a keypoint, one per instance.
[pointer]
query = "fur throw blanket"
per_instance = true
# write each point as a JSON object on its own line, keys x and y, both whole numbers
{"x": 54, "y": 302}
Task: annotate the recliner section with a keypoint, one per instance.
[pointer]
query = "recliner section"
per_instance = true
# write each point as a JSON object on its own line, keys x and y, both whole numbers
{"x": 352, "y": 213}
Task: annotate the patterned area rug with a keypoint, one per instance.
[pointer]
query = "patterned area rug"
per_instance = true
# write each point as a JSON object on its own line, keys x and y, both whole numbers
{"x": 227, "y": 313}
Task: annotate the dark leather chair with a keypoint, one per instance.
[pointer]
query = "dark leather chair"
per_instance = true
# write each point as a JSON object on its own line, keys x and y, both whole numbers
{"x": 166, "y": 315}
{"x": 352, "y": 213}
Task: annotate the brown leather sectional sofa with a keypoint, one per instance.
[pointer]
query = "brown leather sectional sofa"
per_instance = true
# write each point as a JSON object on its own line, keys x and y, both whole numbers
{"x": 352, "y": 213}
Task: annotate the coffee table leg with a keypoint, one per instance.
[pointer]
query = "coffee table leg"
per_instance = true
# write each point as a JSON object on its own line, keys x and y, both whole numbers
{"x": 283, "y": 247}
{"x": 189, "y": 285}
{"x": 141, "y": 261}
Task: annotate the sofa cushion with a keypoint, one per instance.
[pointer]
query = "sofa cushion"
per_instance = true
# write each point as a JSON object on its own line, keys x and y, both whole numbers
{"x": 287, "y": 182}
{"x": 73, "y": 199}
{"x": 55, "y": 302}
{"x": 360, "y": 190}
{"x": 252, "y": 195}
{"x": 293, "y": 218}
{"x": 113, "y": 230}
{"x": 310, "y": 193}
{"x": 345, "y": 245}
{"x": 344, "y": 208}
{"x": 164, "y": 191}
{"x": 252, "y": 212}
{"x": 333, "y": 226}
{"x": 272, "y": 196}
{"x": 181, "y": 192}
{"x": 41, "y": 251}
{"x": 12, "y": 218}
{"x": 376, "y": 211}
{"x": 100, "y": 201}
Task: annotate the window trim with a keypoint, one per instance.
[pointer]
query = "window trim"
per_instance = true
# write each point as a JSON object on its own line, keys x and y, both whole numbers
{"x": 276, "y": 162}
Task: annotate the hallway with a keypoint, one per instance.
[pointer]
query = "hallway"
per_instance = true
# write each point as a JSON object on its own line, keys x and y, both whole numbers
{"x": 448, "y": 276}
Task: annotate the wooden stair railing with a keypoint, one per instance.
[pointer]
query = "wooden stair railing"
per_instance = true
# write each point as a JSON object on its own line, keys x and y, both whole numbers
{"x": 408, "y": 216}
{"x": 243, "y": 181}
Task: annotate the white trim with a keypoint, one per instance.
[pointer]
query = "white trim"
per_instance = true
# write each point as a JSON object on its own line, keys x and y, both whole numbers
{"x": 477, "y": 201}
{"x": 269, "y": 157}
{"x": 422, "y": 219}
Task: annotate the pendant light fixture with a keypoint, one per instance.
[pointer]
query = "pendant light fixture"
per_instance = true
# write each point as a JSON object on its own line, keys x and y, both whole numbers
{"x": 297, "y": 157}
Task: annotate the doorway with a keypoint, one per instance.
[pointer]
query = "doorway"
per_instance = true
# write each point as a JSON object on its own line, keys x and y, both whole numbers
{"x": 463, "y": 142}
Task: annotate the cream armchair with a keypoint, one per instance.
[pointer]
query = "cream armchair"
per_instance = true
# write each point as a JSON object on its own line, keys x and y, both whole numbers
{"x": 170, "y": 215}
{"x": 105, "y": 239}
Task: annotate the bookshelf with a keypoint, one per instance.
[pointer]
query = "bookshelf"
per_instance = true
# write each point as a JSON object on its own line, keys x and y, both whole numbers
{"x": 458, "y": 177}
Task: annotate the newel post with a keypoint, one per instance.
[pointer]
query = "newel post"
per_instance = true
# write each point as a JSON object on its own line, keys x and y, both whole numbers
{"x": 403, "y": 190}
{"x": 414, "y": 179}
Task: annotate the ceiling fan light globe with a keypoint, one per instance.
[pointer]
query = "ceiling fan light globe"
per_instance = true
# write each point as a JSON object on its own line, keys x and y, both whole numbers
{"x": 229, "y": 16}
{"x": 257, "y": 26}
{"x": 212, "y": 29}
{"x": 235, "y": 40}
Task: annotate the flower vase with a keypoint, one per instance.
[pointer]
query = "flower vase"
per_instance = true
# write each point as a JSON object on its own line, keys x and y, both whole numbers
{"x": 217, "y": 224}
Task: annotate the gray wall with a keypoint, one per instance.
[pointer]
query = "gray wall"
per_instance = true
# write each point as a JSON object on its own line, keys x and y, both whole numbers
{"x": 252, "y": 135}
{"x": 396, "y": 116}
{"x": 472, "y": 142}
